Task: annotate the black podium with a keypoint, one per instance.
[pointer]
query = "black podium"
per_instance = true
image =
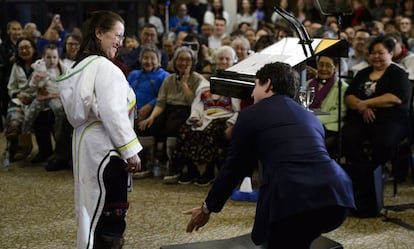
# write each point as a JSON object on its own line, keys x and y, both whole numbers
{"x": 244, "y": 242}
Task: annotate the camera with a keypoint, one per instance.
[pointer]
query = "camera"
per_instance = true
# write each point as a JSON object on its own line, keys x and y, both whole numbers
{"x": 192, "y": 45}
{"x": 56, "y": 18}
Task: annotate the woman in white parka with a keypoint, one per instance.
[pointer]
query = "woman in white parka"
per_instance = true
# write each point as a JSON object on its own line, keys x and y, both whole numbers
{"x": 100, "y": 106}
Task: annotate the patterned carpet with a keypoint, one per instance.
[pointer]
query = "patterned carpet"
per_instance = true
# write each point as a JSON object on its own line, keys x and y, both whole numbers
{"x": 36, "y": 210}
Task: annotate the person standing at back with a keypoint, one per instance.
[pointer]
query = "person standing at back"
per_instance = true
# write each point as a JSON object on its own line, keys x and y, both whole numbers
{"x": 100, "y": 106}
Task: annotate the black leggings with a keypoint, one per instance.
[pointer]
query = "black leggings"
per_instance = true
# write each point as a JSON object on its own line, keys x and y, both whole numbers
{"x": 299, "y": 230}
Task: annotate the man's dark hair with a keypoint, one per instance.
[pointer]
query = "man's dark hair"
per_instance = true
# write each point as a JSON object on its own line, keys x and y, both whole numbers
{"x": 283, "y": 78}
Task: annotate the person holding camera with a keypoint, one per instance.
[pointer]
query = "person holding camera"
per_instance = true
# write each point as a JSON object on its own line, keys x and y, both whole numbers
{"x": 182, "y": 21}
{"x": 55, "y": 34}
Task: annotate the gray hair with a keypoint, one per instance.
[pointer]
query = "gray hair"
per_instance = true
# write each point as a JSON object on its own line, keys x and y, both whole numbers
{"x": 224, "y": 49}
{"x": 242, "y": 39}
{"x": 150, "y": 48}
{"x": 184, "y": 49}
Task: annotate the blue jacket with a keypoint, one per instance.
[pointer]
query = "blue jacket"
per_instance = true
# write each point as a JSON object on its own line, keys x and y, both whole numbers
{"x": 298, "y": 173}
{"x": 146, "y": 85}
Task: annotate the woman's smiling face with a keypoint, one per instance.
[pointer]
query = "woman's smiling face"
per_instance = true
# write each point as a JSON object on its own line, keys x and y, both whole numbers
{"x": 111, "y": 40}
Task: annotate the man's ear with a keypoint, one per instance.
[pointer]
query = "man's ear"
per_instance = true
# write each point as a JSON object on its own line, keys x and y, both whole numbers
{"x": 269, "y": 86}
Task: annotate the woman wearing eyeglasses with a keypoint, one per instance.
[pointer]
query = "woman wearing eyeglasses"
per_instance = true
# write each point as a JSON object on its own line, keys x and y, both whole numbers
{"x": 21, "y": 95}
{"x": 100, "y": 106}
{"x": 326, "y": 84}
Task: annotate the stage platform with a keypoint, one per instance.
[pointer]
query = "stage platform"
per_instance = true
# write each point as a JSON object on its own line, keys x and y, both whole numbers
{"x": 244, "y": 242}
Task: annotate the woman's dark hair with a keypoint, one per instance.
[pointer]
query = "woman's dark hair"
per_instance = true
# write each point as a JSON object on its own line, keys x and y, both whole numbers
{"x": 388, "y": 43}
{"x": 19, "y": 60}
{"x": 76, "y": 37}
{"x": 104, "y": 20}
{"x": 219, "y": 12}
{"x": 263, "y": 42}
{"x": 283, "y": 78}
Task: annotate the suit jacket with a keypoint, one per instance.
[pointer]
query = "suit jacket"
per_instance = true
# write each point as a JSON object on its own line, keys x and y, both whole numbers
{"x": 298, "y": 173}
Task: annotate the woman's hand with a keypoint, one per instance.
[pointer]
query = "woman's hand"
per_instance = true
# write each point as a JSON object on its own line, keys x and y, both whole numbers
{"x": 195, "y": 122}
{"x": 368, "y": 115}
{"x": 133, "y": 164}
{"x": 38, "y": 76}
{"x": 198, "y": 219}
{"x": 144, "y": 112}
{"x": 24, "y": 99}
{"x": 146, "y": 123}
{"x": 361, "y": 106}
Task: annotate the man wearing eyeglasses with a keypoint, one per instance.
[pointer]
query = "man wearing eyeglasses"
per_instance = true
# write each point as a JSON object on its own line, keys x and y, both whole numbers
{"x": 149, "y": 36}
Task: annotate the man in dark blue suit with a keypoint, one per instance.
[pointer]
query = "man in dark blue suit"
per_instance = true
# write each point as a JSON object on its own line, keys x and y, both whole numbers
{"x": 303, "y": 193}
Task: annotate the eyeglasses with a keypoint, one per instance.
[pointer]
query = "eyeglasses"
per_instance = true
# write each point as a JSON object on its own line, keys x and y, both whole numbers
{"x": 118, "y": 37}
{"x": 22, "y": 48}
{"x": 75, "y": 44}
{"x": 325, "y": 65}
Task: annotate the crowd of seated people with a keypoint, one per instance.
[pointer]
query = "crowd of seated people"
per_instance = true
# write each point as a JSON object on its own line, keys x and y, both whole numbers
{"x": 203, "y": 29}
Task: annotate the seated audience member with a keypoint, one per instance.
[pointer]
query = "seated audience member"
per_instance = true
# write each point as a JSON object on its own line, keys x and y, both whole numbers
{"x": 216, "y": 10}
{"x": 377, "y": 101}
{"x": 130, "y": 43}
{"x": 204, "y": 137}
{"x": 21, "y": 95}
{"x": 148, "y": 35}
{"x": 146, "y": 83}
{"x": 62, "y": 156}
{"x": 245, "y": 14}
{"x": 182, "y": 21}
{"x": 153, "y": 19}
{"x": 407, "y": 31}
{"x": 54, "y": 34}
{"x": 401, "y": 55}
{"x": 174, "y": 104}
{"x": 304, "y": 193}
{"x": 70, "y": 49}
{"x": 326, "y": 99}
{"x": 263, "y": 42}
{"x": 46, "y": 70}
{"x": 206, "y": 30}
{"x": 196, "y": 9}
{"x": 219, "y": 34}
{"x": 250, "y": 35}
{"x": 168, "y": 44}
{"x": 357, "y": 52}
{"x": 31, "y": 31}
{"x": 242, "y": 47}
{"x": 200, "y": 48}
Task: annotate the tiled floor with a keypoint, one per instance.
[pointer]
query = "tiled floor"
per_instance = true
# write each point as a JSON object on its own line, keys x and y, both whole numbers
{"x": 36, "y": 212}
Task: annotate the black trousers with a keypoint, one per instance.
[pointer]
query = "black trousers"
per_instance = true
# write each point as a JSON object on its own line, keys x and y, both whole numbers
{"x": 112, "y": 221}
{"x": 43, "y": 126}
{"x": 299, "y": 230}
{"x": 383, "y": 138}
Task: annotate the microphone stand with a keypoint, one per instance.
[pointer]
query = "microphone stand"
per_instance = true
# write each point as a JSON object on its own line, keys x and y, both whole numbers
{"x": 339, "y": 153}
{"x": 299, "y": 28}
{"x": 304, "y": 38}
